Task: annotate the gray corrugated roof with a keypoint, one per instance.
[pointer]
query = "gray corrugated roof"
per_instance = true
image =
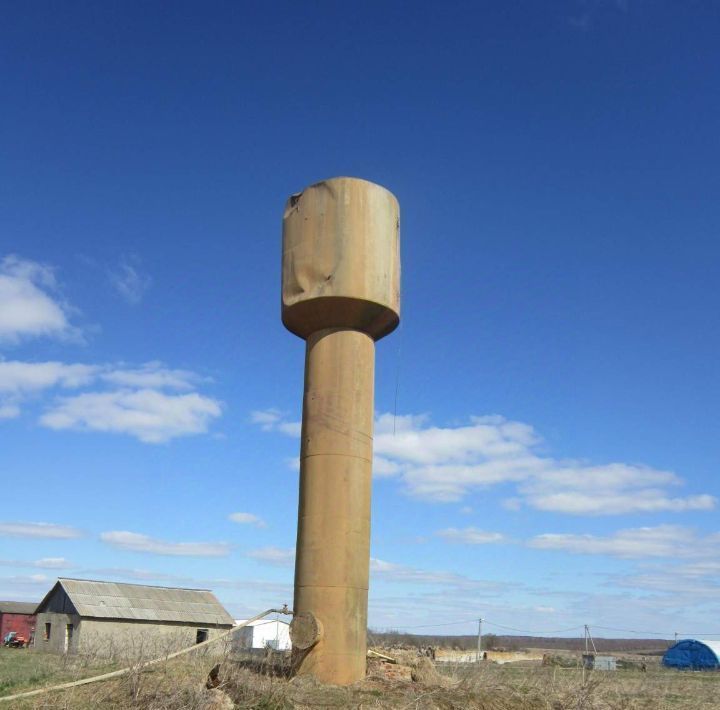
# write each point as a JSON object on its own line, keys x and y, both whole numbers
{"x": 139, "y": 602}
{"x": 18, "y": 607}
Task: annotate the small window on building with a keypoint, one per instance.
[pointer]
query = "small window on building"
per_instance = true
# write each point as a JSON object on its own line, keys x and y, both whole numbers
{"x": 202, "y": 635}
{"x": 48, "y": 629}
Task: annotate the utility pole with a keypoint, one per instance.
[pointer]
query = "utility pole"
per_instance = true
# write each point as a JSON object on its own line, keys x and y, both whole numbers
{"x": 676, "y": 635}
{"x": 479, "y": 651}
{"x": 589, "y": 638}
{"x": 587, "y": 663}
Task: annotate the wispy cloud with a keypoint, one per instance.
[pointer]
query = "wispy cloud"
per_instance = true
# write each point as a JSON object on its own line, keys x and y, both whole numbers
{"x": 53, "y": 563}
{"x": 29, "y": 304}
{"x": 587, "y": 12}
{"x": 9, "y": 410}
{"x": 39, "y": 530}
{"x": 274, "y": 420}
{"x": 382, "y": 570}
{"x": 445, "y": 464}
{"x": 44, "y": 563}
{"x": 277, "y": 556}
{"x": 471, "y": 536}
{"x": 405, "y": 574}
{"x": 139, "y": 574}
{"x": 247, "y": 519}
{"x": 153, "y": 375}
{"x": 129, "y": 280}
{"x": 668, "y": 541}
{"x": 137, "y": 542}
{"x": 34, "y": 583}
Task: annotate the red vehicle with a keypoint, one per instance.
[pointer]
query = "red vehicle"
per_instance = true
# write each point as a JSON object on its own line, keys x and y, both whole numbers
{"x": 15, "y": 640}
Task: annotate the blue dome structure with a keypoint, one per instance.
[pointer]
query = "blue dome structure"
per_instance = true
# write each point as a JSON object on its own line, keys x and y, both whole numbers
{"x": 692, "y": 654}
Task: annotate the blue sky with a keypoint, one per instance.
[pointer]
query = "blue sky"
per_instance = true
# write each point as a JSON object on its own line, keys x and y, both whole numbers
{"x": 547, "y": 428}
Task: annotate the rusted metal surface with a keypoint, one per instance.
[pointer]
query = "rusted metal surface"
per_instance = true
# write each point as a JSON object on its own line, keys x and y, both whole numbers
{"x": 340, "y": 292}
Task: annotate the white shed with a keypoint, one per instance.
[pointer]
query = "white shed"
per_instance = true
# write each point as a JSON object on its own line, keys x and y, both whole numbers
{"x": 263, "y": 633}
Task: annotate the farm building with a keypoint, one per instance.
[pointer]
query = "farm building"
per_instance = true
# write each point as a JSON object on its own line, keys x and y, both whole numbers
{"x": 118, "y": 620}
{"x": 263, "y": 633}
{"x": 593, "y": 662}
{"x": 18, "y": 617}
{"x": 692, "y": 654}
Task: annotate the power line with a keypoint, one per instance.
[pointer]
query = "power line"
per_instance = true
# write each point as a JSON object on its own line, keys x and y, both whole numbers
{"x": 449, "y": 623}
{"x": 661, "y": 634}
{"x": 526, "y": 631}
{"x": 499, "y": 626}
{"x": 664, "y": 634}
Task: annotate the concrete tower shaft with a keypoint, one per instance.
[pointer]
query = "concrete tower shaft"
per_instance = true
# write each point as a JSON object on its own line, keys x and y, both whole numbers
{"x": 340, "y": 292}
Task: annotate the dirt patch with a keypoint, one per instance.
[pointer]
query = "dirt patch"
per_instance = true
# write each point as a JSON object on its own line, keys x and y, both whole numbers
{"x": 423, "y": 671}
{"x": 382, "y": 670}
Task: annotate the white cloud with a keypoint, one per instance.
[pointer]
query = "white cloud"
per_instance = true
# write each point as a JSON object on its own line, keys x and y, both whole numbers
{"x": 27, "y": 581}
{"x": 405, "y": 574}
{"x": 704, "y": 568}
{"x": 53, "y": 563}
{"x": 290, "y": 428}
{"x": 266, "y": 419}
{"x": 670, "y": 581}
{"x": 9, "y": 411}
{"x": 273, "y": 420}
{"x": 641, "y": 501}
{"x": 384, "y": 468}
{"x": 152, "y": 375}
{"x": 670, "y": 541}
{"x": 44, "y": 563}
{"x": 129, "y": 281}
{"x": 39, "y": 530}
{"x": 447, "y": 463}
{"x": 470, "y": 536}
{"x": 247, "y": 519}
{"x": 611, "y": 489}
{"x": 26, "y": 307}
{"x": 19, "y": 378}
{"x": 277, "y": 556}
{"x": 387, "y": 571}
{"x": 142, "y": 575}
{"x": 137, "y": 542}
{"x": 151, "y": 416}
{"x": 137, "y": 405}
{"x": 486, "y": 437}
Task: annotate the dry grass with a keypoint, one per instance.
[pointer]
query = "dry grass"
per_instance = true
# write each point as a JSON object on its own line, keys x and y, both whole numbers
{"x": 180, "y": 685}
{"x": 22, "y": 669}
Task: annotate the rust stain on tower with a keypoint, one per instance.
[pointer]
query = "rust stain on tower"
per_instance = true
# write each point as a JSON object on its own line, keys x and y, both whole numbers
{"x": 340, "y": 293}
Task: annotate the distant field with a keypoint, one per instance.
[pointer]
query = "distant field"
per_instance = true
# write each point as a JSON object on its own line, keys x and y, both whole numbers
{"x": 558, "y": 643}
{"x": 180, "y": 685}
